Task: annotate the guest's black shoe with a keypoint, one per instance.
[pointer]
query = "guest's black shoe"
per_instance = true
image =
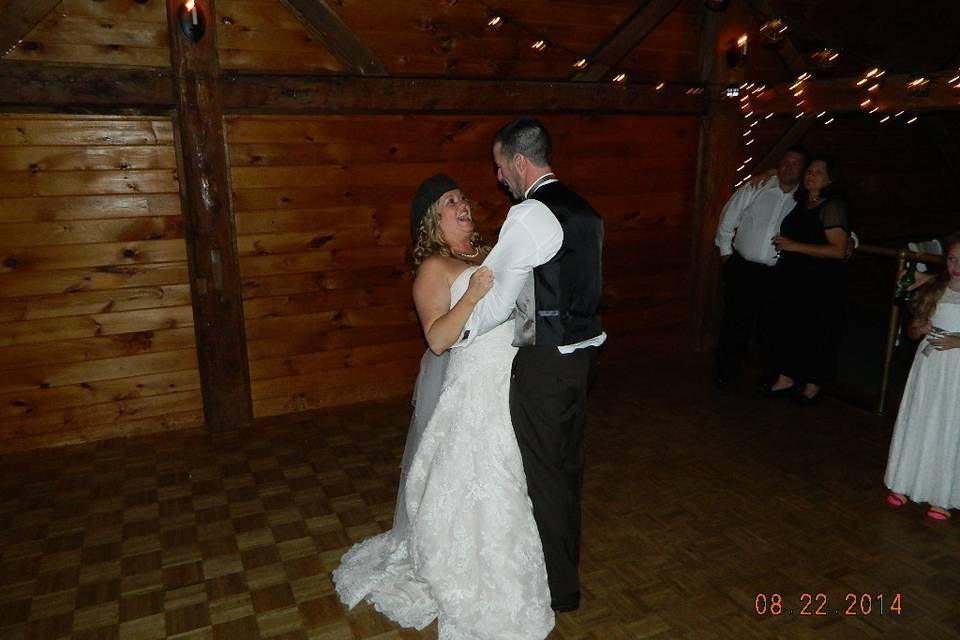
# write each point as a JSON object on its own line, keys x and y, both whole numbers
{"x": 806, "y": 401}
{"x": 722, "y": 382}
{"x": 767, "y": 391}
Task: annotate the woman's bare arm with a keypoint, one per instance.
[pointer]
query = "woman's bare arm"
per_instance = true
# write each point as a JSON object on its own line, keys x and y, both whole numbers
{"x": 441, "y": 324}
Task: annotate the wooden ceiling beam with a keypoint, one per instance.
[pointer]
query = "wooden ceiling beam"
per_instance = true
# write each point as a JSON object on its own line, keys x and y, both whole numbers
{"x": 841, "y": 95}
{"x": 42, "y": 86}
{"x": 325, "y": 25}
{"x": 107, "y": 89}
{"x": 788, "y": 52}
{"x": 331, "y": 94}
{"x": 18, "y": 18}
{"x": 625, "y": 39}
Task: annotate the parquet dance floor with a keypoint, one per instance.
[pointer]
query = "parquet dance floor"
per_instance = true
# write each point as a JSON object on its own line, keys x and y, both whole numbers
{"x": 695, "y": 503}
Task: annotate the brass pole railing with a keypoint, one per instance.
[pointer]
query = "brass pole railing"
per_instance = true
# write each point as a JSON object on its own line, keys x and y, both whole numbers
{"x": 902, "y": 256}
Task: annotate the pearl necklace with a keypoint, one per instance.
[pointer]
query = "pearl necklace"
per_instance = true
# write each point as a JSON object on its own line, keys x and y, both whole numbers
{"x": 476, "y": 252}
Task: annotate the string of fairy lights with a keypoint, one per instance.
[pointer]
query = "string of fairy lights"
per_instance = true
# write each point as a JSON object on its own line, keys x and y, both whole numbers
{"x": 772, "y": 31}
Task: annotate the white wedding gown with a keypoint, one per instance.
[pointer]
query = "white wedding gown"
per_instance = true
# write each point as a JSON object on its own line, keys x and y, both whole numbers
{"x": 464, "y": 549}
{"x": 924, "y": 460}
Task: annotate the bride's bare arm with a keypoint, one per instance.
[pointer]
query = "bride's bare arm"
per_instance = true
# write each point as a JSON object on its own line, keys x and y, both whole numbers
{"x": 442, "y": 325}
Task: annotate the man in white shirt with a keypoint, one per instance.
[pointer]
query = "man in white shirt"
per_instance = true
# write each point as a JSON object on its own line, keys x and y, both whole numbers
{"x": 748, "y": 223}
{"x": 547, "y": 265}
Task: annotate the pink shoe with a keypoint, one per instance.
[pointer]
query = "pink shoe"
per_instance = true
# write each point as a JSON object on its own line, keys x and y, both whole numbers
{"x": 939, "y": 516}
{"x": 895, "y": 500}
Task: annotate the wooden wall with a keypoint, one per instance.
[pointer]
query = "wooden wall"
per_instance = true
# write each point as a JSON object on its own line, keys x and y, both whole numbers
{"x": 251, "y": 34}
{"x": 96, "y": 329}
{"x": 322, "y": 216}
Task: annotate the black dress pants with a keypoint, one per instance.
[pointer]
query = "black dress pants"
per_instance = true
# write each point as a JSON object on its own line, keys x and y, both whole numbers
{"x": 748, "y": 291}
{"x": 548, "y": 403}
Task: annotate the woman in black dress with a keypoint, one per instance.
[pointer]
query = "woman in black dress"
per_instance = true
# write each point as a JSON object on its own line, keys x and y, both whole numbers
{"x": 810, "y": 283}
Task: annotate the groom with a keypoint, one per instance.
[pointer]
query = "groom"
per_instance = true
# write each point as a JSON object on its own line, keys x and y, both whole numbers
{"x": 547, "y": 267}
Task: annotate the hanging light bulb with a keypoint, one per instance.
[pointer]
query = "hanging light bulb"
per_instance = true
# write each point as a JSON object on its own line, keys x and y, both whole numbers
{"x": 581, "y": 64}
{"x": 825, "y": 58}
{"x": 773, "y": 30}
{"x": 620, "y": 77}
{"x": 919, "y": 85}
{"x": 495, "y": 23}
{"x": 660, "y": 86}
{"x": 872, "y": 77}
{"x": 539, "y": 46}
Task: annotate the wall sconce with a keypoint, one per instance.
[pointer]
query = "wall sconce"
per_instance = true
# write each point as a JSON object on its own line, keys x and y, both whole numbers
{"x": 193, "y": 22}
{"x": 737, "y": 50}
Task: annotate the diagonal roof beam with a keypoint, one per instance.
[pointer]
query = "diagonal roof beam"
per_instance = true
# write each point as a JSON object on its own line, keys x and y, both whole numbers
{"x": 325, "y": 25}
{"x": 791, "y": 57}
{"x": 792, "y": 136}
{"x": 625, "y": 39}
{"x": 18, "y": 18}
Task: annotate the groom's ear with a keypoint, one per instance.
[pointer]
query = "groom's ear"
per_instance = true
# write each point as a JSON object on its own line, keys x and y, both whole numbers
{"x": 520, "y": 162}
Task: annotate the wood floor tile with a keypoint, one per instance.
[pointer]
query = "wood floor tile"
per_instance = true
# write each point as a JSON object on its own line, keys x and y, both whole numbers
{"x": 694, "y": 503}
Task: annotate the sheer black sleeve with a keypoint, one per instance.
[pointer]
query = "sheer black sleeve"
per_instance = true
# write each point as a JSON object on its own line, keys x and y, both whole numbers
{"x": 834, "y": 215}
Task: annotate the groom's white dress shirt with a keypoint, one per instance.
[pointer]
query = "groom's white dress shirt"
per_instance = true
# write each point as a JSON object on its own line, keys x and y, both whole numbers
{"x": 531, "y": 235}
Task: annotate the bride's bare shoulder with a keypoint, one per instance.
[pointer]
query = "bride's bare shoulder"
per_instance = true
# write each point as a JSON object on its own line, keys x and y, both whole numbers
{"x": 439, "y": 268}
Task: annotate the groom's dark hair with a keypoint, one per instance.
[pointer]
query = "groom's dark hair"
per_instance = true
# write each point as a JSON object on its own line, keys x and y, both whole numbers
{"x": 526, "y": 136}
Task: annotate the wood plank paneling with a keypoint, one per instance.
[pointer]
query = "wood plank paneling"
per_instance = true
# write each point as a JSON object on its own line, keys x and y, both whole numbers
{"x": 110, "y": 32}
{"x": 96, "y": 328}
{"x": 322, "y": 219}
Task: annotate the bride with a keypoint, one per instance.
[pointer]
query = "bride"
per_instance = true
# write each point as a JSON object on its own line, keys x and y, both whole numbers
{"x": 464, "y": 548}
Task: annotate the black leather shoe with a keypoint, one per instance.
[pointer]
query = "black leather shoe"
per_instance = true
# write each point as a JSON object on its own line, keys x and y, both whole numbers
{"x": 570, "y": 603}
{"x": 767, "y": 391}
{"x": 806, "y": 401}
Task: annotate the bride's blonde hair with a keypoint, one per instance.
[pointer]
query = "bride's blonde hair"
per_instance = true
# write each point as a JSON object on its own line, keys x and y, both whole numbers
{"x": 430, "y": 241}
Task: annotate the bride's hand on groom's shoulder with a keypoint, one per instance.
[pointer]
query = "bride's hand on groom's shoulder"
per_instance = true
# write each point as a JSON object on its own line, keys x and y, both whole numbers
{"x": 481, "y": 281}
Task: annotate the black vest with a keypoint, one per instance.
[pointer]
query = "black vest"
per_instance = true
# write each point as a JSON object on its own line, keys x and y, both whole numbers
{"x": 563, "y": 307}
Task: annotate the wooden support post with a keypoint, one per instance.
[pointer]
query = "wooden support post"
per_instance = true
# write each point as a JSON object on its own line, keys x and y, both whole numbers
{"x": 208, "y": 219}
{"x": 716, "y": 174}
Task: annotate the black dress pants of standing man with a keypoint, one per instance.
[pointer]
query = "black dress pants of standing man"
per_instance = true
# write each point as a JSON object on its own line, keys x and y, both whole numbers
{"x": 548, "y": 402}
{"x": 747, "y": 300}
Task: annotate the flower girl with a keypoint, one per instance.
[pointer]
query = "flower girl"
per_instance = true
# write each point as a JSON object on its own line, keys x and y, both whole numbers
{"x": 924, "y": 461}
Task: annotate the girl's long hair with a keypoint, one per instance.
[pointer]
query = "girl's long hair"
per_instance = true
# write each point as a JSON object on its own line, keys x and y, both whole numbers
{"x": 925, "y": 299}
